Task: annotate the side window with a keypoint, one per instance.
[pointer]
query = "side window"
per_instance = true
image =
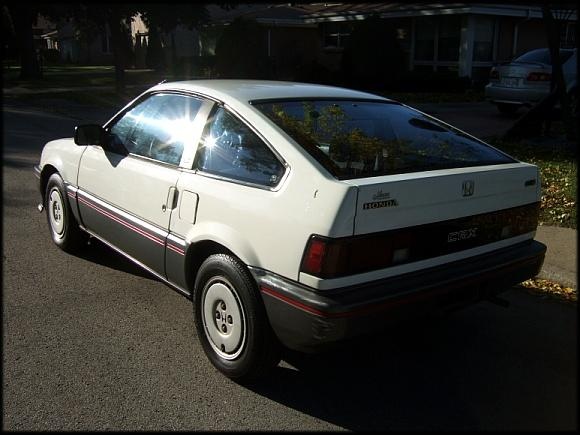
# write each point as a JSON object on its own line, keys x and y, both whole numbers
{"x": 159, "y": 127}
{"x": 231, "y": 149}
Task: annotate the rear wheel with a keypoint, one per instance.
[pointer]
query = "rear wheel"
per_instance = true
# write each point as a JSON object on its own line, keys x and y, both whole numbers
{"x": 64, "y": 229}
{"x": 231, "y": 321}
{"x": 507, "y": 109}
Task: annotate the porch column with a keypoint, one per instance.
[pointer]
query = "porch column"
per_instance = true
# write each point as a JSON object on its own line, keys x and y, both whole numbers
{"x": 466, "y": 45}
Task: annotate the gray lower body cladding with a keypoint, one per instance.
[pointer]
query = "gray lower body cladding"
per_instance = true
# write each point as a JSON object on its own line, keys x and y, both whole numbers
{"x": 307, "y": 320}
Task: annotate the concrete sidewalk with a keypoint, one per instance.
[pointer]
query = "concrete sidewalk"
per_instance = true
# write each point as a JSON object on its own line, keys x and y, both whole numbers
{"x": 560, "y": 264}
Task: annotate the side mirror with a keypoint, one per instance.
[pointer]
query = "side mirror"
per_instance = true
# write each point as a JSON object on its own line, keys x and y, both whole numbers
{"x": 89, "y": 134}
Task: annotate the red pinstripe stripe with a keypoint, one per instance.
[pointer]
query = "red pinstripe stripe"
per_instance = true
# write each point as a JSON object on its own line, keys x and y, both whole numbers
{"x": 176, "y": 249}
{"x": 344, "y": 314}
{"x": 122, "y": 222}
{"x": 296, "y": 304}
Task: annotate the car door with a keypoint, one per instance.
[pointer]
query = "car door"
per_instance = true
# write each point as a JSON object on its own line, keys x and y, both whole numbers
{"x": 128, "y": 190}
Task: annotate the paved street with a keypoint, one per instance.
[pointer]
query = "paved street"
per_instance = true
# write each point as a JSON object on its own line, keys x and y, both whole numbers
{"x": 91, "y": 342}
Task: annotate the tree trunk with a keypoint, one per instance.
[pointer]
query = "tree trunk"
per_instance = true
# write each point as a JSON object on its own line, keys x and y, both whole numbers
{"x": 24, "y": 17}
{"x": 558, "y": 83}
{"x": 114, "y": 23}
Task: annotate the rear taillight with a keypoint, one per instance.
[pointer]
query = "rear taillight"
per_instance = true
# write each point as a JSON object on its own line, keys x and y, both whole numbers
{"x": 538, "y": 77}
{"x": 332, "y": 258}
{"x": 313, "y": 262}
{"x": 329, "y": 258}
{"x": 494, "y": 74}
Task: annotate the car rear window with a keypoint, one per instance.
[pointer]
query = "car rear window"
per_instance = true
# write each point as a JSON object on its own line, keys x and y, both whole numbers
{"x": 543, "y": 56}
{"x": 356, "y": 139}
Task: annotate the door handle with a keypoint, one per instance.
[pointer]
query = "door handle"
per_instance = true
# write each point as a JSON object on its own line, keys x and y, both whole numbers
{"x": 171, "y": 199}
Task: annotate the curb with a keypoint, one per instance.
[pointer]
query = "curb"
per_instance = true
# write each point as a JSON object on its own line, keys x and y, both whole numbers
{"x": 560, "y": 264}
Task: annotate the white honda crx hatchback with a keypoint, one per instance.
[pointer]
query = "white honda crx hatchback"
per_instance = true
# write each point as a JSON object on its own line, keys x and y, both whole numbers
{"x": 294, "y": 213}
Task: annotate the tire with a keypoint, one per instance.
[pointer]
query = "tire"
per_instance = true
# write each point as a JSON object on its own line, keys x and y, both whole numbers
{"x": 507, "y": 109}
{"x": 64, "y": 228}
{"x": 231, "y": 320}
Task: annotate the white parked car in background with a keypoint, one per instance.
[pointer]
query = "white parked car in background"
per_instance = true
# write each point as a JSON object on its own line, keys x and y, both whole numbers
{"x": 526, "y": 80}
{"x": 294, "y": 214}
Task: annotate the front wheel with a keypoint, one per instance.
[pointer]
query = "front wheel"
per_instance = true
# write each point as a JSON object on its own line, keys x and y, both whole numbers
{"x": 231, "y": 321}
{"x": 64, "y": 229}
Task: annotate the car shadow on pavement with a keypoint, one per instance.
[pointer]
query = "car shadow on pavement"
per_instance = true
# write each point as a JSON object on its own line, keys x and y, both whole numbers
{"x": 97, "y": 252}
{"x": 454, "y": 372}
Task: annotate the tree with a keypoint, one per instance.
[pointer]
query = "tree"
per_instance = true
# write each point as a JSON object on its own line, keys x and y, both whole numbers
{"x": 114, "y": 16}
{"x": 117, "y": 18}
{"x": 159, "y": 18}
{"x": 372, "y": 56}
{"x": 23, "y": 16}
{"x": 241, "y": 51}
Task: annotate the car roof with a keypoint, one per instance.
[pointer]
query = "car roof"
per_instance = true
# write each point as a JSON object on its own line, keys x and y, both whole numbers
{"x": 244, "y": 91}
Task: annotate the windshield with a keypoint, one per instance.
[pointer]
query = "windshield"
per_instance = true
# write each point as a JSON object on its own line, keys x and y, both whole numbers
{"x": 356, "y": 139}
{"x": 542, "y": 55}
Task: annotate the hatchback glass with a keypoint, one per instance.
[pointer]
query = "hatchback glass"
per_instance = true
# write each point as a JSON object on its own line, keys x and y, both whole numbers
{"x": 356, "y": 139}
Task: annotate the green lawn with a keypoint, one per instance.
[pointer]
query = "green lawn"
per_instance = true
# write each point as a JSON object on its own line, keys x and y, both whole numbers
{"x": 74, "y": 76}
{"x": 558, "y": 170}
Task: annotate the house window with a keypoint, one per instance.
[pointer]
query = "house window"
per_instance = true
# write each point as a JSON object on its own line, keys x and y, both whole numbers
{"x": 483, "y": 39}
{"x": 425, "y": 38}
{"x": 568, "y": 35}
{"x": 336, "y": 34}
{"x": 437, "y": 41}
{"x": 448, "y": 38}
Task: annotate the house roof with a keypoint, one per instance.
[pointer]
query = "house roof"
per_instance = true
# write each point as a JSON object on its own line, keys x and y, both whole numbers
{"x": 263, "y": 13}
{"x": 311, "y": 13}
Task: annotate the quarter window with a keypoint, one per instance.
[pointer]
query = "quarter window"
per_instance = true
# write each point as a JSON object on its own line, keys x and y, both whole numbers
{"x": 231, "y": 149}
{"x": 159, "y": 128}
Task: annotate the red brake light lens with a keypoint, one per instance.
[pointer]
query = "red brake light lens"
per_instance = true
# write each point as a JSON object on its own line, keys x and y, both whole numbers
{"x": 314, "y": 256}
{"x": 539, "y": 77}
{"x": 331, "y": 258}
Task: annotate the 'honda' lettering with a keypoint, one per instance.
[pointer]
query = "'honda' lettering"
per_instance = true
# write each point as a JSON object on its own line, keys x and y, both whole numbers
{"x": 380, "y": 204}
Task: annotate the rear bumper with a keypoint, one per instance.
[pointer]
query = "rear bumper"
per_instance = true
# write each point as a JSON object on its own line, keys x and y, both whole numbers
{"x": 520, "y": 96}
{"x": 306, "y": 320}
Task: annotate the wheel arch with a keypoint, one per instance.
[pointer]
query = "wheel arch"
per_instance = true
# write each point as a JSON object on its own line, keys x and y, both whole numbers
{"x": 197, "y": 253}
{"x": 45, "y": 174}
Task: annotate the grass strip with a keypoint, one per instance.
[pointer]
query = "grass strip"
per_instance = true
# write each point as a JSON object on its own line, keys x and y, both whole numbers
{"x": 558, "y": 166}
{"x": 550, "y": 289}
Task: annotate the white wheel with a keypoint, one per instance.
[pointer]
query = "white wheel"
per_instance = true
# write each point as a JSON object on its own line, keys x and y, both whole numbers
{"x": 56, "y": 212}
{"x": 64, "y": 229}
{"x": 223, "y": 318}
{"x": 231, "y": 321}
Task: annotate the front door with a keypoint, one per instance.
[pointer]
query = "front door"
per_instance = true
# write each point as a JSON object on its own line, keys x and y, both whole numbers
{"x": 128, "y": 191}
